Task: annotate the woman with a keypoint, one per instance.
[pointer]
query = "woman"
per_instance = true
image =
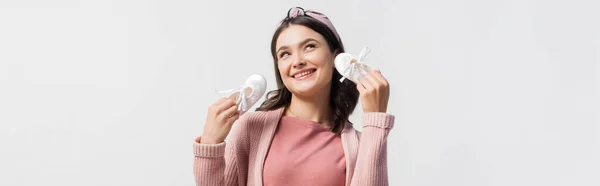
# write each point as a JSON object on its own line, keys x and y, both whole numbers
{"x": 301, "y": 134}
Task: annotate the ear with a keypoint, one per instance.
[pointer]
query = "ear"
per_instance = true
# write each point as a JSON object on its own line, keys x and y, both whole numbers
{"x": 333, "y": 55}
{"x": 336, "y": 52}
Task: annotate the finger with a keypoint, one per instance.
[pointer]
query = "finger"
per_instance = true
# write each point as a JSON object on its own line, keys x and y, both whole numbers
{"x": 220, "y": 101}
{"x": 214, "y": 108}
{"x": 366, "y": 86}
{"x": 360, "y": 88}
{"x": 365, "y": 83}
{"x": 374, "y": 83}
{"x": 377, "y": 76}
{"x": 233, "y": 110}
{"x": 233, "y": 117}
{"x": 225, "y": 105}
{"x": 228, "y": 112}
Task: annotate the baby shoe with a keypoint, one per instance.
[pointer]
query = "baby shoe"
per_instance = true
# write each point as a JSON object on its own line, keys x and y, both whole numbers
{"x": 350, "y": 67}
{"x": 249, "y": 93}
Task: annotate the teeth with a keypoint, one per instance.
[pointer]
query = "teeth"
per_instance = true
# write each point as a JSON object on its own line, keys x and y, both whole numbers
{"x": 303, "y": 74}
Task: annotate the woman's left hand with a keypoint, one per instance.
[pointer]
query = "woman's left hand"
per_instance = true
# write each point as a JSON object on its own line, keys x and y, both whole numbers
{"x": 374, "y": 92}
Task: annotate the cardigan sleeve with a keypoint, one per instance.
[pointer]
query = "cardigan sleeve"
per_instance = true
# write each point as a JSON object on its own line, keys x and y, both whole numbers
{"x": 371, "y": 163}
{"x": 224, "y": 163}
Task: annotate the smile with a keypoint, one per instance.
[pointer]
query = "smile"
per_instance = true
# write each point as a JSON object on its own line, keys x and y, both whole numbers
{"x": 304, "y": 74}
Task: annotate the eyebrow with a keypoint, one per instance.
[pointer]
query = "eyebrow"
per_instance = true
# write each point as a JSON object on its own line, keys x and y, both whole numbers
{"x": 301, "y": 43}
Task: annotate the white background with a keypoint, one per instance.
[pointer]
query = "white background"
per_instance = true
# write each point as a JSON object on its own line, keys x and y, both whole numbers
{"x": 484, "y": 92}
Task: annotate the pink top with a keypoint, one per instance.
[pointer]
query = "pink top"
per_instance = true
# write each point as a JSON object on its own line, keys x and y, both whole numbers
{"x": 240, "y": 160}
{"x": 304, "y": 152}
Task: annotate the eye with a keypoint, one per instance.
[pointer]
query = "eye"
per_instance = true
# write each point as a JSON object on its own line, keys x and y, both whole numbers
{"x": 283, "y": 54}
{"x": 310, "y": 46}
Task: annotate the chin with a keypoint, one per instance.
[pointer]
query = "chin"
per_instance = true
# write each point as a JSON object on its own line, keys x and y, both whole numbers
{"x": 303, "y": 89}
{"x": 307, "y": 88}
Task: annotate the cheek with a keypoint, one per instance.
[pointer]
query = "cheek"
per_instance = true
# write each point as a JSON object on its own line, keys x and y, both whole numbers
{"x": 325, "y": 63}
{"x": 321, "y": 59}
{"x": 282, "y": 69}
{"x": 328, "y": 71}
{"x": 281, "y": 72}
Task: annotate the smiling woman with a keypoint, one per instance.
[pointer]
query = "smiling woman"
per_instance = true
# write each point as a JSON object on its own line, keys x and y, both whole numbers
{"x": 304, "y": 43}
{"x": 301, "y": 134}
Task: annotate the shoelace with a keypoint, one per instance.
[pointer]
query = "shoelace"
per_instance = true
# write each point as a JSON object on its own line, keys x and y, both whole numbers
{"x": 241, "y": 101}
{"x": 352, "y": 67}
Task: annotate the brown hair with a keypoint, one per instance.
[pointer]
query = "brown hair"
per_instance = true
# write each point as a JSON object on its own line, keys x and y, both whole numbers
{"x": 344, "y": 95}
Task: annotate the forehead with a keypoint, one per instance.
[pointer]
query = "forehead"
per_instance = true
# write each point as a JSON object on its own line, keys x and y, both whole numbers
{"x": 294, "y": 34}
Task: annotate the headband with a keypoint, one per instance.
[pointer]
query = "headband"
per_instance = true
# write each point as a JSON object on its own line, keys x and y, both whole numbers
{"x": 298, "y": 11}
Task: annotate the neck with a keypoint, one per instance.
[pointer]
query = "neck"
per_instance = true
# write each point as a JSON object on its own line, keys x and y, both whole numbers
{"x": 315, "y": 108}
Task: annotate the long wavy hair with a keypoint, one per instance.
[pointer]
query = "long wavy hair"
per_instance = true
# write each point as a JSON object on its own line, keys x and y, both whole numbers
{"x": 344, "y": 95}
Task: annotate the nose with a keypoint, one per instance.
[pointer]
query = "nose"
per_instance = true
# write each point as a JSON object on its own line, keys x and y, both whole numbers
{"x": 299, "y": 62}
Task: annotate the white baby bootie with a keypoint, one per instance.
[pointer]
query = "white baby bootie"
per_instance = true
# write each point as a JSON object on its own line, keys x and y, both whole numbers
{"x": 249, "y": 93}
{"x": 350, "y": 67}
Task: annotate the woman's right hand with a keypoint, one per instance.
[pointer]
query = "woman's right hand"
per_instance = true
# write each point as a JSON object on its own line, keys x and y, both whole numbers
{"x": 219, "y": 120}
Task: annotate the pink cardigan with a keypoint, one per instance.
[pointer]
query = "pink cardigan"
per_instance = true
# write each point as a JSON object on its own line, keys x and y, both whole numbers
{"x": 240, "y": 162}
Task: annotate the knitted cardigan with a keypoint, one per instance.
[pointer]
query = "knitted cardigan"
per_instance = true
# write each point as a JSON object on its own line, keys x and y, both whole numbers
{"x": 240, "y": 160}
